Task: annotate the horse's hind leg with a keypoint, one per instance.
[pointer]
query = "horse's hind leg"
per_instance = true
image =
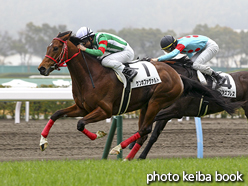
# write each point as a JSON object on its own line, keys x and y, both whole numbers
{"x": 140, "y": 141}
{"x": 137, "y": 146}
{"x": 72, "y": 111}
{"x": 149, "y": 115}
{"x": 245, "y": 107}
{"x": 155, "y": 134}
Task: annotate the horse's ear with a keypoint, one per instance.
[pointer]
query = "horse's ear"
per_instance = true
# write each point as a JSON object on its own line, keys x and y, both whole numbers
{"x": 65, "y": 35}
{"x": 68, "y": 35}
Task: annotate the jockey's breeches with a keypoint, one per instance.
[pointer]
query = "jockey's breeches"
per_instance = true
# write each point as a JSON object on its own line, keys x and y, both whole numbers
{"x": 117, "y": 59}
{"x": 200, "y": 58}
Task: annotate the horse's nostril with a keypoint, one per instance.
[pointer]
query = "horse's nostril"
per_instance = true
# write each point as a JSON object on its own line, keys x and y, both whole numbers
{"x": 42, "y": 70}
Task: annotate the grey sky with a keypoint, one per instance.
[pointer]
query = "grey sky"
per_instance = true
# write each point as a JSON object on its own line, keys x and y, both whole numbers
{"x": 178, "y": 15}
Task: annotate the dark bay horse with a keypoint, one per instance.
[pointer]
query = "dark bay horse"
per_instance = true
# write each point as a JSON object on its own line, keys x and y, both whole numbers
{"x": 101, "y": 101}
{"x": 190, "y": 106}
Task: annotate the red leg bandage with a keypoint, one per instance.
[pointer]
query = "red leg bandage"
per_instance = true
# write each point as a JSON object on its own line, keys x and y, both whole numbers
{"x": 133, "y": 152}
{"x": 134, "y": 137}
{"x": 91, "y": 135}
{"x": 47, "y": 128}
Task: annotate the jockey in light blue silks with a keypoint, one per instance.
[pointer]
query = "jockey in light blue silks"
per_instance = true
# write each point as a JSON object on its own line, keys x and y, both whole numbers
{"x": 200, "y": 49}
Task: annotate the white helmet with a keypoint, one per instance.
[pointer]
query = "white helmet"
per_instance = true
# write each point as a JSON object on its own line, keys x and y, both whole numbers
{"x": 84, "y": 32}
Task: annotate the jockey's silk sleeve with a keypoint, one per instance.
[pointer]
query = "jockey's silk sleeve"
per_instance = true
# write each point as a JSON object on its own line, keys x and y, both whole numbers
{"x": 170, "y": 55}
{"x": 102, "y": 45}
{"x": 106, "y": 42}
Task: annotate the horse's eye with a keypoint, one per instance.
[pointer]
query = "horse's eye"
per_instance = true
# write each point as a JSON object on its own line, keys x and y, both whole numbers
{"x": 55, "y": 49}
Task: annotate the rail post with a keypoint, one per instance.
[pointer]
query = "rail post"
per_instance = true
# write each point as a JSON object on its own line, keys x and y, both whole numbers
{"x": 199, "y": 137}
{"x": 116, "y": 124}
{"x": 119, "y": 134}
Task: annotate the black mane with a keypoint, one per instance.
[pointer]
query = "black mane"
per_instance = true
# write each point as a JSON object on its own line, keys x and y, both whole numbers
{"x": 63, "y": 33}
{"x": 182, "y": 60}
{"x": 75, "y": 40}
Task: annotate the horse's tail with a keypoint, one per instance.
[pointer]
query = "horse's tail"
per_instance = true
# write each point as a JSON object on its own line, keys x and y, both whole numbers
{"x": 196, "y": 89}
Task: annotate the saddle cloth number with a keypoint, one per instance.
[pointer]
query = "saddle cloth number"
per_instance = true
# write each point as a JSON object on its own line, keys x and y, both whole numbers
{"x": 147, "y": 74}
{"x": 226, "y": 89}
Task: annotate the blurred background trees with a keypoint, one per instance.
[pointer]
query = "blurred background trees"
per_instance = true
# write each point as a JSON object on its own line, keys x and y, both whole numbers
{"x": 34, "y": 39}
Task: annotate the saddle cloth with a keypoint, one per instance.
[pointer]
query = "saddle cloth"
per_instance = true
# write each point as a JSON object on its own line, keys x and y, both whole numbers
{"x": 228, "y": 89}
{"x": 147, "y": 75}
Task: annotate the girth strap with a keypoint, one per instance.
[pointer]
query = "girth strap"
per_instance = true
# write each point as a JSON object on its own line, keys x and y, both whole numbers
{"x": 203, "y": 107}
{"x": 126, "y": 94}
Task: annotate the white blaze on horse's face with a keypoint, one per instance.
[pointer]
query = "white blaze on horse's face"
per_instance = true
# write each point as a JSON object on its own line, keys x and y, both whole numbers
{"x": 50, "y": 44}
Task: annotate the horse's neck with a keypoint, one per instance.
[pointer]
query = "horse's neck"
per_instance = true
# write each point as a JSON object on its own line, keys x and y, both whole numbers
{"x": 82, "y": 68}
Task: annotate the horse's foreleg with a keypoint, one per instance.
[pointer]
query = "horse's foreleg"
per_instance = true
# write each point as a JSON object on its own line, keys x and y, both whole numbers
{"x": 96, "y": 115}
{"x": 72, "y": 111}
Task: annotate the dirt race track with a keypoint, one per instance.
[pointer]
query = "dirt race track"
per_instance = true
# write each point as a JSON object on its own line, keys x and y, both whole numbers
{"x": 222, "y": 137}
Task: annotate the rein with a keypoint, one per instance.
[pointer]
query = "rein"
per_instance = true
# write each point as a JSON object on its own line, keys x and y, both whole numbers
{"x": 60, "y": 61}
{"x": 92, "y": 82}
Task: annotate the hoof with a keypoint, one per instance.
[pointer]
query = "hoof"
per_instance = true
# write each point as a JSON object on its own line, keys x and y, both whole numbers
{"x": 116, "y": 150}
{"x": 43, "y": 146}
{"x": 100, "y": 134}
{"x": 43, "y": 143}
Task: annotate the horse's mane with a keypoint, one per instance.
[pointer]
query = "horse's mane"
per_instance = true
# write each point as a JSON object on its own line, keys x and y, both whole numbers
{"x": 63, "y": 33}
{"x": 182, "y": 60}
{"x": 75, "y": 40}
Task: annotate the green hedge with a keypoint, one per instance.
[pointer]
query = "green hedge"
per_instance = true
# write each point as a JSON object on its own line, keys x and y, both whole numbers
{"x": 44, "y": 109}
{"x": 37, "y": 109}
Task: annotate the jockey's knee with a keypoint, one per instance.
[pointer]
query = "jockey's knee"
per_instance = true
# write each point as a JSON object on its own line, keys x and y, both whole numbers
{"x": 203, "y": 68}
{"x": 196, "y": 66}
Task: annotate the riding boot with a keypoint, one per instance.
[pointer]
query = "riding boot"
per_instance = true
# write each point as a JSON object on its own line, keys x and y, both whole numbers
{"x": 220, "y": 79}
{"x": 129, "y": 73}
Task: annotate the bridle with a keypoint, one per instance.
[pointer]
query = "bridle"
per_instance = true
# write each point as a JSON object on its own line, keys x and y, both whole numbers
{"x": 60, "y": 61}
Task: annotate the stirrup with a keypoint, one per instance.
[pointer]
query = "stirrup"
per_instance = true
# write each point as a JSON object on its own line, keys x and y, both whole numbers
{"x": 221, "y": 81}
{"x": 129, "y": 74}
{"x": 130, "y": 77}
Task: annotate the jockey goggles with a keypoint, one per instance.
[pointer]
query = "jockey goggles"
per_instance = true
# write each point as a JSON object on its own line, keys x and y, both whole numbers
{"x": 169, "y": 46}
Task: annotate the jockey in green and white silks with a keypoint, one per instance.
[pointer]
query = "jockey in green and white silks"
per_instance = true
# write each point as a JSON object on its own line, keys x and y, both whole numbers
{"x": 101, "y": 43}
